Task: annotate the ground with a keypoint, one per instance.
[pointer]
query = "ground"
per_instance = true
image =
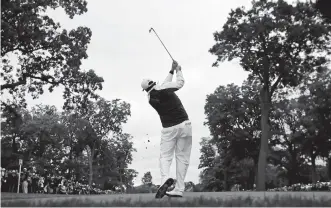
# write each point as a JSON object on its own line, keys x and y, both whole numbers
{"x": 10, "y": 197}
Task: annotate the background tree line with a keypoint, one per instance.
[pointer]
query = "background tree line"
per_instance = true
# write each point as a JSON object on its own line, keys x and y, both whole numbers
{"x": 272, "y": 129}
{"x": 90, "y": 146}
{"x": 85, "y": 138}
{"x": 276, "y": 124}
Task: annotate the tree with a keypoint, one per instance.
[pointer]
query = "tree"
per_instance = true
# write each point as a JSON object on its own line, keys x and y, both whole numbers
{"x": 39, "y": 138}
{"x": 73, "y": 126}
{"x": 61, "y": 142}
{"x": 279, "y": 44}
{"x": 233, "y": 119}
{"x": 212, "y": 175}
{"x": 112, "y": 160}
{"x": 213, "y": 178}
{"x": 189, "y": 186}
{"x": 122, "y": 148}
{"x": 11, "y": 122}
{"x": 287, "y": 145}
{"x": 147, "y": 178}
{"x": 208, "y": 153}
{"x": 221, "y": 170}
{"x": 102, "y": 119}
{"x": 316, "y": 119}
{"x": 129, "y": 175}
{"x": 47, "y": 56}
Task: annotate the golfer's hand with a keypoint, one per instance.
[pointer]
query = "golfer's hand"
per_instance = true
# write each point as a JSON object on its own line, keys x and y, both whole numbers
{"x": 179, "y": 68}
{"x": 174, "y": 65}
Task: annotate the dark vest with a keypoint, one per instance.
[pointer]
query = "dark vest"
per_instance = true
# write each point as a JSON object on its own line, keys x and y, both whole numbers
{"x": 168, "y": 106}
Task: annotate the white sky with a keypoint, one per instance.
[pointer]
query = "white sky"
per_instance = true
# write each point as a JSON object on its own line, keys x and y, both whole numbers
{"x": 123, "y": 52}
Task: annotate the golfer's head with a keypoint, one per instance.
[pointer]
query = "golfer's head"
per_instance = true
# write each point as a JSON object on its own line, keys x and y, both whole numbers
{"x": 147, "y": 84}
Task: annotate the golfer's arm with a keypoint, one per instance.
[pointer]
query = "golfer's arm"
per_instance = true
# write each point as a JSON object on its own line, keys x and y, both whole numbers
{"x": 169, "y": 77}
{"x": 179, "y": 83}
{"x": 180, "y": 79}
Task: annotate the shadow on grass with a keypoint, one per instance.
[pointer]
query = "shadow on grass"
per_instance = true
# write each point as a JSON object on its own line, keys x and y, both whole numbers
{"x": 276, "y": 201}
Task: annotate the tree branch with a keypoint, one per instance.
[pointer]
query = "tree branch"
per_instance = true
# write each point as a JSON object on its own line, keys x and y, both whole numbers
{"x": 46, "y": 78}
{"x": 15, "y": 84}
{"x": 274, "y": 86}
{"x": 3, "y": 53}
{"x": 261, "y": 78}
{"x": 266, "y": 62}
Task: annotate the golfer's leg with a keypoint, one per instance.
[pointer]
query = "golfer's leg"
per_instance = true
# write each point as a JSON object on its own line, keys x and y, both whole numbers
{"x": 167, "y": 147}
{"x": 183, "y": 153}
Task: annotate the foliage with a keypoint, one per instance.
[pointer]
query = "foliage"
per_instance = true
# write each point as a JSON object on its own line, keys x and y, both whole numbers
{"x": 147, "y": 178}
{"x": 233, "y": 119}
{"x": 280, "y": 45}
{"x": 60, "y": 143}
{"x": 36, "y": 53}
{"x": 299, "y": 125}
{"x": 319, "y": 186}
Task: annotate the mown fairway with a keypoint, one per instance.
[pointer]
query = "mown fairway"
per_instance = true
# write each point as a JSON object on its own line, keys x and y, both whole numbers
{"x": 190, "y": 199}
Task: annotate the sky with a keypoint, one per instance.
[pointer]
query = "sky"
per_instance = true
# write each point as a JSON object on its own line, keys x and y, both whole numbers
{"x": 123, "y": 52}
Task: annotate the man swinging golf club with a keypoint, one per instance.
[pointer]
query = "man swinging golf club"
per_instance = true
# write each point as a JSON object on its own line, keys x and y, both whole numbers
{"x": 176, "y": 135}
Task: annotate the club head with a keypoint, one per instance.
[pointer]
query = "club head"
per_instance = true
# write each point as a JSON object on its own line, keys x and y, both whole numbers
{"x": 150, "y": 29}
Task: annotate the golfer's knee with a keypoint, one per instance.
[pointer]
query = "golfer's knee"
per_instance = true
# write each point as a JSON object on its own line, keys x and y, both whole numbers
{"x": 182, "y": 159}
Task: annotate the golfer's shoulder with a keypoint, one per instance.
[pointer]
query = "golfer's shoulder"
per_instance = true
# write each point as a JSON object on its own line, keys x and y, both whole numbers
{"x": 160, "y": 90}
{"x": 167, "y": 87}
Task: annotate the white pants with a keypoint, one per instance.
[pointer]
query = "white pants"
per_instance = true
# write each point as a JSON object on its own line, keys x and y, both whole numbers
{"x": 176, "y": 139}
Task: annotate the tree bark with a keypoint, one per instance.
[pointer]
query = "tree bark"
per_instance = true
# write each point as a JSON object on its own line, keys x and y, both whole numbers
{"x": 265, "y": 127}
{"x": 121, "y": 181}
{"x": 225, "y": 182}
{"x": 91, "y": 167}
{"x": 70, "y": 157}
{"x": 14, "y": 146}
{"x": 293, "y": 169}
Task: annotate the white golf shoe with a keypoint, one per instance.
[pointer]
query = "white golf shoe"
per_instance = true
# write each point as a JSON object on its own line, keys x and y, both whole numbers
{"x": 174, "y": 193}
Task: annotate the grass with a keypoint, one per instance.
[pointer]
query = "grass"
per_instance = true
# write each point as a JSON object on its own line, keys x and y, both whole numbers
{"x": 276, "y": 201}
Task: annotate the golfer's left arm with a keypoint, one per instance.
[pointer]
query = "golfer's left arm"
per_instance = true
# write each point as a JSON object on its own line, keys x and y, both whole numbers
{"x": 169, "y": 77}
{"x": 178, "y": 84}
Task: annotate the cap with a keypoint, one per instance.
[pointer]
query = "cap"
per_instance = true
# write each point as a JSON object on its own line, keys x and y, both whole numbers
{"x": 146, "y": 83}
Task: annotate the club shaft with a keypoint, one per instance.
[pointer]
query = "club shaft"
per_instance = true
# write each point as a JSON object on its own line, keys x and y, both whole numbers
{"x": 163, "y": 44}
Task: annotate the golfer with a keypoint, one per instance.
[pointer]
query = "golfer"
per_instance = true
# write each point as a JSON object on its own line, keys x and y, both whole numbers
{"x": 176, "y": 135}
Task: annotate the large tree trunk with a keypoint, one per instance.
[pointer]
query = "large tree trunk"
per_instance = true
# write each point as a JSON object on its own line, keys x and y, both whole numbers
{"x": 121, "y": 182}
{"x": 265, "y": 127}
{"x": 225, "y": 182}
{"x": 329, "y": 167}
{"x": 70, "y": 157}
{"x": 313, "y": 169}
{"x": 90, "y": 179}
{"x": 293, "y": 166}
{"x": 14, "y": 146}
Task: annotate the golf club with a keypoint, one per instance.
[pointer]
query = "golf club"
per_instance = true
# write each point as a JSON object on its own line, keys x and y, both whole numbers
{"x": 161, "y": 42}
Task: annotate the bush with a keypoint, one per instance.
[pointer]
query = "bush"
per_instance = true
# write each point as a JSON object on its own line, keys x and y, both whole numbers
{"x": 319, "y": 186}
